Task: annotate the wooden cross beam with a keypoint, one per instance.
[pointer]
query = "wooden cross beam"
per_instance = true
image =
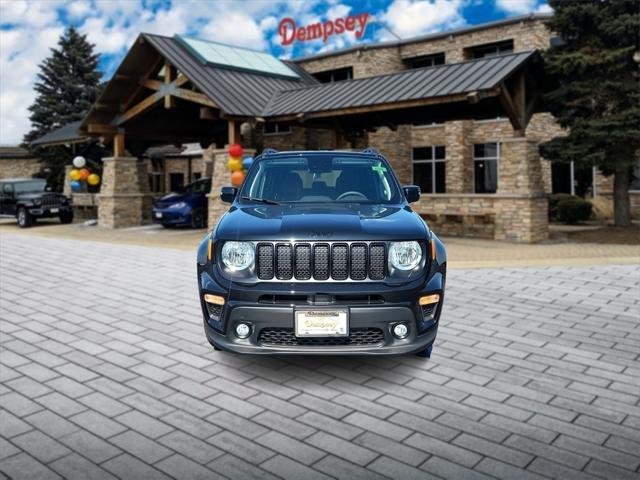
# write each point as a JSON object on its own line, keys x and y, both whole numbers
{"x": 514, "y": 108}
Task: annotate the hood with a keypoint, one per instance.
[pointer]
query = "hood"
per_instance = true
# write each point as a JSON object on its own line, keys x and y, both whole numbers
{"x": 172, "y": 198}
{"x": 320, "y": 222}
{"x": 38, "y": 195}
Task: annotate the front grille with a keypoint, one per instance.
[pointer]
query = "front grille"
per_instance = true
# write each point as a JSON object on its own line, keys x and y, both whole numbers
{"x": 427, "y": 310}
{"x": 286, "y": 337}
{"x": 321, "y": 261}
{"x": 50, "y": 201}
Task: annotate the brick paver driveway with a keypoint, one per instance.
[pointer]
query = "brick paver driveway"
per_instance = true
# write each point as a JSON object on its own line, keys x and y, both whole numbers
{"x": 106, "y": 372}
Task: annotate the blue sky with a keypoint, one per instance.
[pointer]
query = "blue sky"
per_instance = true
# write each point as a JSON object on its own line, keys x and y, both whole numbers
{"x": 29, "y": 28}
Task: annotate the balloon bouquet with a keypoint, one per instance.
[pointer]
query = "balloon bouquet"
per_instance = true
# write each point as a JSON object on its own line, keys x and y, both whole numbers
{"x": 81, "y": 174}
{"x": 237, "y": 165}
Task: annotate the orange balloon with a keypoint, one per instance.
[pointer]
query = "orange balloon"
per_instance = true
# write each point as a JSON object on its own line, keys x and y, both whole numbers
{"x": 237, "y": 178}
{"x": 84, "y": 174}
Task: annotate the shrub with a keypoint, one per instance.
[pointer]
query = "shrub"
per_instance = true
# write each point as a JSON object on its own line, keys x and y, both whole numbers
{"x": 574, "y": 210}
{"x": 554, "y": 199}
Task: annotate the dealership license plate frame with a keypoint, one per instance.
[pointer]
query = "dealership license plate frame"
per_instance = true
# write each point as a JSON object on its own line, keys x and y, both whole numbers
{"x": 342, "y": 329}
{"x": 158, "y": 214}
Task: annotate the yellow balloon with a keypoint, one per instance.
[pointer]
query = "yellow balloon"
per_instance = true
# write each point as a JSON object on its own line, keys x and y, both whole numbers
{"x": 93, "y": 179}
{"x": 234, "y": 164}
{"x": 74, "y": 174}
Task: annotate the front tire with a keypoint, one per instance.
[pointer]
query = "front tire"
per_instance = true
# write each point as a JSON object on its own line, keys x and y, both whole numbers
{"x": 198, "y": 218}
{"x": 25, "y": 219}
{"x": 66, "y": 217}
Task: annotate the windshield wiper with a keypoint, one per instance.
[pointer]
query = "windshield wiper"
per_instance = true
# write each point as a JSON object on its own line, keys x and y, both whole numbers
{"x": 261, "y": 200}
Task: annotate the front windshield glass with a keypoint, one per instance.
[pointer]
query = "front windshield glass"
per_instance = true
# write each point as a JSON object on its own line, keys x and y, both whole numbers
{"x": 30, "y": 186}
{"x": 201, "y": 186}
{"x": 322, "y": 178}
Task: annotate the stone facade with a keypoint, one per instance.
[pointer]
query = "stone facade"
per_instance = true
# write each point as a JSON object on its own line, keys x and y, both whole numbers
{"x": 19, "y": 167}
{"x": 124, "y": 199}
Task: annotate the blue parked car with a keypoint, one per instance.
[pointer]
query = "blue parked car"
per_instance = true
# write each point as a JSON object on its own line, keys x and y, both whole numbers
{"x": 188, "y": 207}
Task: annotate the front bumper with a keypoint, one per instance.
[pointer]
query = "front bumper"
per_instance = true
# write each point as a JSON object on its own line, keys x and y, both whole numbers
{"x": 171, "y": 216}
{"x": 373, "y": 307}
{"x": 49, "y": 212}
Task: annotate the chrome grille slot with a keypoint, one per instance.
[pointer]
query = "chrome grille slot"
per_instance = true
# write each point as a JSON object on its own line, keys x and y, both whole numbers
{"x": 340, "y": 261}
{"x": 50, "y": 201}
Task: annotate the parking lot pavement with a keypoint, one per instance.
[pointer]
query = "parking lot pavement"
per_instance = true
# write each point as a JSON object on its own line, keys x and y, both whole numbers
{"x": 106, "y": 373}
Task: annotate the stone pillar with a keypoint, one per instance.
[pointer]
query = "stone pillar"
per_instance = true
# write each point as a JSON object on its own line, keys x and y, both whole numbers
{"x": 459, "y": 155}
{"x": 521, "y": 203}
{"x": 124, "y": 199}
{"x": 396, "y": 147}
{"x": 221, "y": 177}
{"x": 66, "y": 185}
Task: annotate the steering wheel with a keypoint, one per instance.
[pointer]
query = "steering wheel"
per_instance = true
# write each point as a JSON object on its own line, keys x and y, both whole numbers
{"x": 353, "y": 192}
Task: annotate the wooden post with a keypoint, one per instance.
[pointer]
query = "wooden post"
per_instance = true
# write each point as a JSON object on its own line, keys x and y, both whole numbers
{"x": 169, "y": 75}
{"x": 118, "y": 145}
{"x": 234, "y": 132}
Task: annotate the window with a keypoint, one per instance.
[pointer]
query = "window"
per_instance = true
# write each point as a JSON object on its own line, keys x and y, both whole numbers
{"x": 176, "y": 181}
{"x": 276, "y": 128}
{"x": 429, "y": 168}
{"x": 489, "y": 50}
{"x": 337, "y": 75}
{"x": 197, "y": 176}
{"x": 485, "y": 165}
{"x": 425, "y": 61}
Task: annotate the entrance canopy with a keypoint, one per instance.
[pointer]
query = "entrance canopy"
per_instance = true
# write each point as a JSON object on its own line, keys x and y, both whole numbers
{"x": 179, "y": 90}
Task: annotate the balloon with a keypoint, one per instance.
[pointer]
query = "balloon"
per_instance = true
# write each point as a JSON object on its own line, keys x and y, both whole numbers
{"x": 234, "y": 164}
{"x": 79, "y": 162}
{"x": 76, "y": 186}
{"x": 235, "y": 150}
{"x": 84, "y": 174}
{"x": 237, "y": 178}
{"x": 247, "y": 162}
{"x": 93, "y": 179}
{"x": 74, "y": 174}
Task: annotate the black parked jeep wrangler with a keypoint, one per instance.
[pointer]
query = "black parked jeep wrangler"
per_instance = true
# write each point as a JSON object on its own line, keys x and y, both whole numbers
{"x": 27, "y": 199}
{"x": 320, "y": 253}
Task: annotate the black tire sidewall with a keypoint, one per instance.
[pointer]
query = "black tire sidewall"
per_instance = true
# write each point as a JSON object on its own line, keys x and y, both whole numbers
{"x": 27, "y": 218}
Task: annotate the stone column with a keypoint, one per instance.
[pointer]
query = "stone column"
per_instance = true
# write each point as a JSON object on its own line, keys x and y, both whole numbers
{"x": 221, "y": 177}
{"x": 521, "y": 203}
{"x": 396, "y": 147}
{"x": 124, "y": 199}
{"x": 459, "y": 155}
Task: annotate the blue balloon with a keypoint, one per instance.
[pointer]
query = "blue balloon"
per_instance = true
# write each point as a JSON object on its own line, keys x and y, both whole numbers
{"x": 76, "y": 186}
{"x": 247, "y": 162}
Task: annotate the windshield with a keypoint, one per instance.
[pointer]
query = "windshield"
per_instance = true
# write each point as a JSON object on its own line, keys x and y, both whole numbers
{"x": 201, "y": 186}
{"x": 30, "y": 186}
{"x": 321, "y": 179}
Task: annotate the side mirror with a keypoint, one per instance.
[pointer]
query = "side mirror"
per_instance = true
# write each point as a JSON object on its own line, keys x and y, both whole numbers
{"x": 412, "y": 192}
{"x": 228, "y": 194}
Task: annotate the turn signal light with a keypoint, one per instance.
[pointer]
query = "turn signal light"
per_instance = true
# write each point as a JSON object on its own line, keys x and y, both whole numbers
{"x": 429, "y": 299}
{"x": 210, "y": 251}
{"x": 215, "y": 299}
{"x": 433, "y": 250}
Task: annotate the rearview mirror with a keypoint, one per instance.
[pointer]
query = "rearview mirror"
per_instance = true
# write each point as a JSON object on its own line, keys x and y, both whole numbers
{"x": 412, "y": 192}
{"x": 228, "y": 194}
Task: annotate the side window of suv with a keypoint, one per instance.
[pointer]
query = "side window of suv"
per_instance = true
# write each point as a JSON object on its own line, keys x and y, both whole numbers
{"x": 7, "y": 188}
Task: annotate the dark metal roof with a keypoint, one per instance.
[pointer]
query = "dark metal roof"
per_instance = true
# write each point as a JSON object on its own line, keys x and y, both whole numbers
{"x": 428, "y": 36}
{"x": 13, "y": 151}
{"x": 66, "y": 134}
{"x": 234, "y": 92}
{"x": 442, "y": 80}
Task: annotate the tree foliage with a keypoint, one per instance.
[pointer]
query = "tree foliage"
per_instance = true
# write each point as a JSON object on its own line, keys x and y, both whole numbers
{"x": 594, "y": 88}
{"x": 68, "y": 84}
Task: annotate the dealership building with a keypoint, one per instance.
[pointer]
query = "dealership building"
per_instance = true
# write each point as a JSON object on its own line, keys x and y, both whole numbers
{"x": 457, "y": 113}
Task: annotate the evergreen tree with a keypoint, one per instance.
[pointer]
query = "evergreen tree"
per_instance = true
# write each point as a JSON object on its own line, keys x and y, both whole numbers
{"x": 594, "y": 89}
{"x": 68, "y": 84}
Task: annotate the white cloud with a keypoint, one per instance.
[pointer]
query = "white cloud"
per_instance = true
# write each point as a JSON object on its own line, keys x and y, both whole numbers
{"x": 408, "y": 18}
{"x": 517, "y": 7}
{"x": 235, "y": 28}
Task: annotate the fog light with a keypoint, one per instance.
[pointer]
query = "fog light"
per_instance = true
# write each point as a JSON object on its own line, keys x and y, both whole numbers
{"x": 243, "y": 330}
{"x": 400, "y": 330}
{"x": 429, "y": 299}
{"x": 215, "y": 299}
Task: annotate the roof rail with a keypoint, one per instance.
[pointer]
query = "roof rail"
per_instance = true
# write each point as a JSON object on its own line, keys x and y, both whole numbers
{"x": 268, "y": 151}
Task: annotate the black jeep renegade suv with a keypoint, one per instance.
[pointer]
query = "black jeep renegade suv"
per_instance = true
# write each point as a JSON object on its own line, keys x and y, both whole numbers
{"x": 320, "y": 253}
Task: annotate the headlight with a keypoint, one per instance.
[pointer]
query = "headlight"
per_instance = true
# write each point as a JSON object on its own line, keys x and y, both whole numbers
{"x": 178, "y": 205}
{"x": 238, "y": 255}
{"x": 405, "y": 255}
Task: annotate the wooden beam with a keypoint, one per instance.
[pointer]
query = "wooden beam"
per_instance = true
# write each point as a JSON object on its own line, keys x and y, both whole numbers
{"x": 100, "y": 129}
{"x": 233, "y": 135}
{"x": 118, "y": 145}
{"x": 514, "y": 113}
{"x": 208, "y": 113}
{"x": 169, "y": 74}
{"x": 181, "y": 80}
{"x": 138, "y": 108}
{"x": 192, "y": 96}
{"x": 151, "y": 84}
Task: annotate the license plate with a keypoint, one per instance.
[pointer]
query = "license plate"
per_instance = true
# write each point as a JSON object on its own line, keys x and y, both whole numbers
{"x": 54, "y": 210}
{"x": 158, "y": 214}
{"x": 322, "y": 323}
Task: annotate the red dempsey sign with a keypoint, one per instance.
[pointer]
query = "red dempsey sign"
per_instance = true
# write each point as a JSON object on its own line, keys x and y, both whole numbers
{"x": 290, "y": 32}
